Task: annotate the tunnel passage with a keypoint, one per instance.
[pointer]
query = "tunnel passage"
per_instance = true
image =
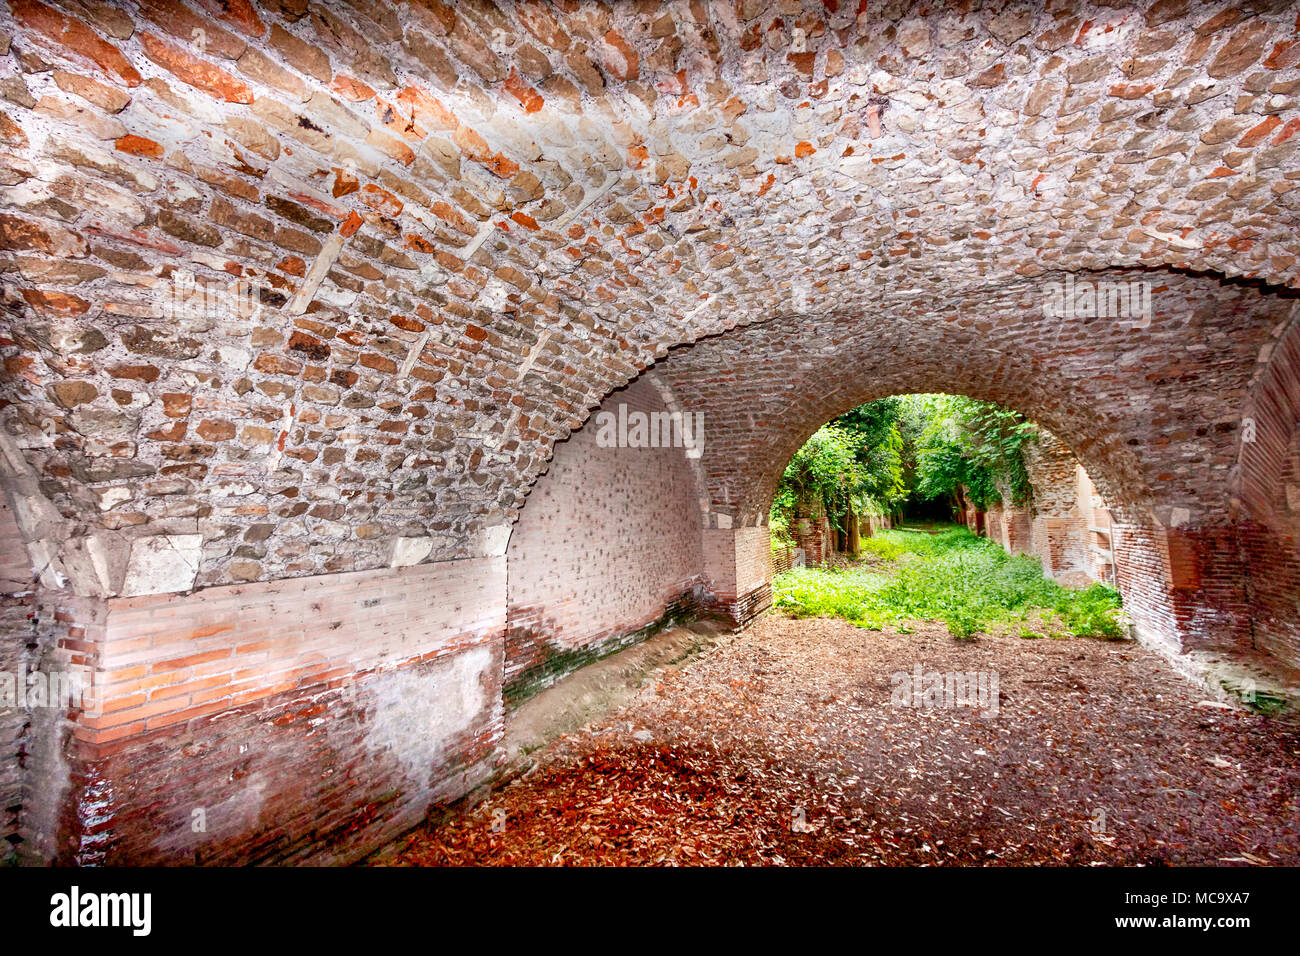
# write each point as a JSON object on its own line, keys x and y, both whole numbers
{"x": 294, "y": 318}
{"x": 1163, "y": 453}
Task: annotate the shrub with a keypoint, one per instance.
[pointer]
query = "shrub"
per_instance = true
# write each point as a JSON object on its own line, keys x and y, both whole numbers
{"x": 954, "y": 576}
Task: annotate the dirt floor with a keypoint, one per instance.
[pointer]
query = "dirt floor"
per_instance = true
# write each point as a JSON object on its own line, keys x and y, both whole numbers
{"x": 782, "y": 746}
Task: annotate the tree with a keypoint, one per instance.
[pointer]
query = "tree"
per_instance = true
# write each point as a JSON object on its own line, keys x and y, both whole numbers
{"x": 922, "y": 447}
{"x": 970, "y": 447}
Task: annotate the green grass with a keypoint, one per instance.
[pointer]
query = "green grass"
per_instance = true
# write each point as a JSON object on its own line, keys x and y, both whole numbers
{"x": 954, "y": 576}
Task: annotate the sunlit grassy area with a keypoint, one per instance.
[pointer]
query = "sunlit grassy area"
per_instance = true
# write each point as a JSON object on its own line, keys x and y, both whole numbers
{"x": 954, "y": 576}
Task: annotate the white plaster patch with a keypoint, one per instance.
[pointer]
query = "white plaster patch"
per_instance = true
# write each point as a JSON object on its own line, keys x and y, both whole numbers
{"x": 491, "y": 542}
{"x": 417, "y": 714}
{"x": 163, "y": 563}
{"x": 495, "y": 294}
{"x": 233, "y": 358}
{"x": 408, "y": 551}
{"x": 98, "y": 552}
{"x": 45, "y": 561}
{"x": 110, "y": 498}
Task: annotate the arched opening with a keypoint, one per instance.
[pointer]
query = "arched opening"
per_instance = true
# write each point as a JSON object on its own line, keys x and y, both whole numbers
{"x": 941, "y": 458}
{"x": 1127, "y": 494}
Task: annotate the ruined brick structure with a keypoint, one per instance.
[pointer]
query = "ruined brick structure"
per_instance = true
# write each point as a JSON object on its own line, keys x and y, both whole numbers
{"x": 1068, "y": 522}
{"x": 302, "y": 298}
{"x": 1065, "y": 522}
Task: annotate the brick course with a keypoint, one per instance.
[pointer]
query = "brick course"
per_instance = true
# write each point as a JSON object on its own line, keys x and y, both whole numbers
{"x": 291, "y": 713}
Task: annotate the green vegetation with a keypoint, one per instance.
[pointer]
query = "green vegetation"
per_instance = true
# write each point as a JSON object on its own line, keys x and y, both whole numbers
{"x": 954, "y": 576}
{"x": 967, "y": 447}
{"x": 851, "y": 466}
{"x": 921, "y": 448}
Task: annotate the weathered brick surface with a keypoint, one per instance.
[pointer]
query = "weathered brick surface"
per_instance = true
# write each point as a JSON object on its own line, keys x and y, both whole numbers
{"x": 17, "y": 610}
{"x": 1185, "y": 588}
{"x": 608, "y": 544}
{"x": 1099, "y": 561}
{"x": 1156, "y": 425}
{"x": 1268, "y": 488}
{"x": 307, "y": 719}
{"x": 738, "y": 571}
{"x": 1061, "y": 516}
{"x": 456, "y": 228}
{"x": 424, "y": 204}
{"x": 320, "y": 774}
{"x": 1010, "y": 526}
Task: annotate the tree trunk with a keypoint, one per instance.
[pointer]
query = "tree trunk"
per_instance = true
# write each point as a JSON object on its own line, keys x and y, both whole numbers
{"x": 855, "y": 539}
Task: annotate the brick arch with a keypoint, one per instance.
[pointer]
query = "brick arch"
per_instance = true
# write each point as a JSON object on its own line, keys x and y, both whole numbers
{"x": 1152, "y": 410}
{"x": 465, "y": 225}
{"x": 1092, "y": 433}
{"x": 1108, "y": 390}
{"x": 462, "y": 225}
{"x": 1267, "y": 488}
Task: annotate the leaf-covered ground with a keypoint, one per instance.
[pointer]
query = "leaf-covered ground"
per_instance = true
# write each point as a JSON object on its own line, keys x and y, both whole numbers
{"x": 781, "y": 746}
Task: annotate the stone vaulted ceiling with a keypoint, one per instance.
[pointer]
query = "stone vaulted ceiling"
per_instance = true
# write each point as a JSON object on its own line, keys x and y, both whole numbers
{"x": 454, "y": 228}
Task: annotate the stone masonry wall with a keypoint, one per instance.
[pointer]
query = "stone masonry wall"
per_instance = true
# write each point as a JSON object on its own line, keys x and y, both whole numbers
{"x": 608, "y": 545}
{"x": 294, "y": 291}
{"x": 342, "y": 273}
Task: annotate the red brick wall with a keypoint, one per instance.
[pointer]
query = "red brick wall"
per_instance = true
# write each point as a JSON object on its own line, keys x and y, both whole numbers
{"x": 17, "y": 608}
{"x": 1269, "y": 488}
{"x": 993, "y": 524}
{"x": 1274, "y": 566}
{"x": 390, "y": 377}
{"x": 1019, "y": 528}
{"x": 782, "y": 559}
{"x": 812, "y": 534}
{"x": 1184, "y": 587}
{"x": 738, "y": 569}
{"x": 307, "y": 719}
{"x": 1009, "y": 526}
{"x": 607, "y": 545}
